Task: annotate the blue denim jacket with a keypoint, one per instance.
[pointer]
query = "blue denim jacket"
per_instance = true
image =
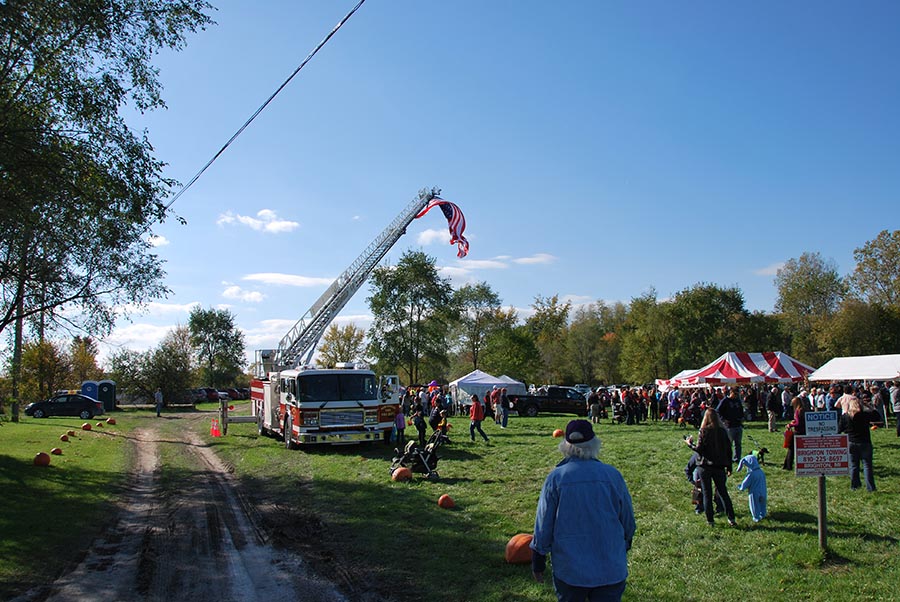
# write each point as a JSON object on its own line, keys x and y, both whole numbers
{"x": 585, "y": 521}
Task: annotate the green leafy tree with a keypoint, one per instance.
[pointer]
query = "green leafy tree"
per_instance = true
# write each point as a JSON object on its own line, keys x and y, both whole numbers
{"x": 705, "y": 322}
{"x": 218, "y": 344}
{"x": 860, "y": 328}
{"x": 582, "y": 343}
{"x": 342, "y": 344}
{"x": 647, "y": 335}
{"x": 413, "y": 311}
{"x": 83, "y": 354}
{"x": 877, "y": 274}
{"x": 510, "y": 349}
{"x": 127, "y": 369}
{"x": 478, "y": 305}
{"x": 548, "y": 328}
{"x": 809, "y": 292}
{"x": 609, "y": 347}
{"x": 170, "y": 367}
{"x": 45, "y": 368}
{"x": 80, "y": 190}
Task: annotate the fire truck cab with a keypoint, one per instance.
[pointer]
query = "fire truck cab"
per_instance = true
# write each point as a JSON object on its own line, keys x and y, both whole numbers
{"x": 347, "y": 404}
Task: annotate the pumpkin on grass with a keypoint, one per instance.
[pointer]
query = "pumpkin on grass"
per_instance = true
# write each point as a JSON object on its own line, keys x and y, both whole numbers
{"x": 56, "y": 451}
{"x": 401, "y": 474}
{"x": 445, "y": 501}
{"x": 70, "y": 433}
{"x": 63, "y": 437}
{"x": 517, "y": 550}
{"x": 558, "y": 433}
{"x": 110, "y": 421}
{"x": 86, "y": 426}
{"x": 42, "y": 459}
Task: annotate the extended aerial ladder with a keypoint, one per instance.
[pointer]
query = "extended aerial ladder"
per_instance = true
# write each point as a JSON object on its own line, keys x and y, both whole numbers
{"x": 304, "y": 336}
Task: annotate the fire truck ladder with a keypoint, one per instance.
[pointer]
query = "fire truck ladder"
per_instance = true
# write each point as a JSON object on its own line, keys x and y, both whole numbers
{"x": 304, "y": 336}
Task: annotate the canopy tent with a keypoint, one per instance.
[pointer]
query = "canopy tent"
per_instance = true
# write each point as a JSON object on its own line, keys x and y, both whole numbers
{"x": 475, "y": 382}
{"x": 744, "y": 368}
{"x": 864, "y": 367}
{"x": 664, "y": 384}
{"x": 513, "y": 386}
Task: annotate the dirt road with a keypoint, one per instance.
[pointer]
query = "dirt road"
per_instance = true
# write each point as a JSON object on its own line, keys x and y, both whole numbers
{"x": 200, "y": 543}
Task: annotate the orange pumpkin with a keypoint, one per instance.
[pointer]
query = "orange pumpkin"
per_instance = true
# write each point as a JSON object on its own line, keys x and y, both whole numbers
{"x": 517, "y": 550}
{"x": 70, "y": 433}
{"x": 401, "y": 474}
{"x": 99, "y": 424}
{"x": 56, "y": 451}
{"x": 558, "y": 433}
{"x": 110, "y": 421}
{"x": 42, "y": 459}
{"x": 86, "y": 426}
{"x": 63, "y": 437}
{"x": 445, "y": 501}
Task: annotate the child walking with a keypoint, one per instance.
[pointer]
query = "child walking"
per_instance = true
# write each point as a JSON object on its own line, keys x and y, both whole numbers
{"x": 400, "y": 425}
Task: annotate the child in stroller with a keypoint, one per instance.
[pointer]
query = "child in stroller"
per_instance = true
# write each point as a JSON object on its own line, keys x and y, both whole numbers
{"x": 421, "y": 459}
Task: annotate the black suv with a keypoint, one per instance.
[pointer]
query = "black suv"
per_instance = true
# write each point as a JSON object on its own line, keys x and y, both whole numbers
{"x": 67, "y": 404}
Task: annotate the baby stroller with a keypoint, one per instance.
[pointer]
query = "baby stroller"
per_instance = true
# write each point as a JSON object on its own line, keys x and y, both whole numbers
{"x": 618, "y": 412}
{"x": 423, "y": 460}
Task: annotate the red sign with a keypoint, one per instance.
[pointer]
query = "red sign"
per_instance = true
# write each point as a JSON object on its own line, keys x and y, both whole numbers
{"x": 822, "y": 455}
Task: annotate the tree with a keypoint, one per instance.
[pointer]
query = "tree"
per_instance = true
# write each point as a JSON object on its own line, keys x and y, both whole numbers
{"x": 582, "y": 342}
{"x": 170, "y": 367}
{"x": 510, "y": 350}
{"x": 609, "y": 347}
{"x": 478, "y": 305}
{"x": 80, "y": 191}
{"x": 809, "y": 291}
{"x": 83, "y": 354}
{"x": 647, "y": 335}
{"x": 218, "y": 344}
{"x": 342, "y": 344}
{"x": 45, "y": 368}
{"x": 548, "y": 328}
{"x": 860, "y": 328}
{"x": 877, "y": 274}
{"x": 413, "y": 309}
{"x": 704, "y": 324}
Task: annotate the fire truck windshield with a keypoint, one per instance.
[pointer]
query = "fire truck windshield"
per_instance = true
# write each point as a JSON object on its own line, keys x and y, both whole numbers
{"x": 337, "y": 387}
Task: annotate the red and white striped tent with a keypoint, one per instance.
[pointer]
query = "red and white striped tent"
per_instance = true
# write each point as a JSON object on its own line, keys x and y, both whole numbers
{"x": 743, "y": 368}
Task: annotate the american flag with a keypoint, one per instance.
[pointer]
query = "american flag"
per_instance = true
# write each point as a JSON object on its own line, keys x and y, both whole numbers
{"x": 455, "y": 220}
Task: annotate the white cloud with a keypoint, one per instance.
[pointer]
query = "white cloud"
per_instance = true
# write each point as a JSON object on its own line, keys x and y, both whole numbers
{"x": 427, "y": 237}
{"x": 356, "y": 218}
{"x": 771, "y": 270}
{"x": 287, "y": 279}
{"x": 454, "y": 273}
{"x": 236, "y": 292}
{"x": 158, "y": 241}
{"x": 156, "y": 308}
{"x": 266, "y": 220}
{"x": 537, "y": 258}
{"x": 483, "y": 264}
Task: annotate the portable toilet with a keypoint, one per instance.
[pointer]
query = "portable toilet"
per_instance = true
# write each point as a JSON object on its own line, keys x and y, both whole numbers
{"x": 107, "y": 394}
{"x": 90, "y": 389}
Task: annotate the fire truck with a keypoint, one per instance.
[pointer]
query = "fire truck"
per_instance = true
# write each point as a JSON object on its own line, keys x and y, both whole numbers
{"x": 301, "y": 404}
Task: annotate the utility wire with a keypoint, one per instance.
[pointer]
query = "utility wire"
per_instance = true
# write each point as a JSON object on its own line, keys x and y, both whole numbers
{"x": 266, "y": 103}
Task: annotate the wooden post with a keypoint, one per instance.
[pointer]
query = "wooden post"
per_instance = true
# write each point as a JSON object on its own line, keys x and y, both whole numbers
{"x": 823, "y": 514}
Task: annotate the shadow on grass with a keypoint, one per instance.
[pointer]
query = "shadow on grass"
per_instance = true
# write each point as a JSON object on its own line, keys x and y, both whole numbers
{"x": 55, "y": 510}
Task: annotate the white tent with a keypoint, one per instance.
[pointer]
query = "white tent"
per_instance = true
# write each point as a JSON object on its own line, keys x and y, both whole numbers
{"x": 513, "y": 386}
{"x": 863, "y": 367}
{"x": 475, "y": 382}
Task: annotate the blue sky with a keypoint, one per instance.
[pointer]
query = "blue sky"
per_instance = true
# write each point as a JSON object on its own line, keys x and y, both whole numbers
{"x": 597, "y": 149}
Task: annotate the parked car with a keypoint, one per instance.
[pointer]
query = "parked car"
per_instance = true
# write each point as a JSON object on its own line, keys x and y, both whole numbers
{"x": 245, "y": 393}
{"x": 224, "y": 396}
{"x": 211, "y": 394}
{"x": 234, "y": 394}
{"x": 68, "y": 404}
{"x": 583, "y": 389}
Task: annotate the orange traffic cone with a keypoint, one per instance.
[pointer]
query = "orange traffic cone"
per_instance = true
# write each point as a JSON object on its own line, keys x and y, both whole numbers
{"x": 214, "y": 428}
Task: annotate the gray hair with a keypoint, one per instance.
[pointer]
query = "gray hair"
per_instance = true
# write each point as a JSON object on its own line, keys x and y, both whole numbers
{"x": 586, "y": 451}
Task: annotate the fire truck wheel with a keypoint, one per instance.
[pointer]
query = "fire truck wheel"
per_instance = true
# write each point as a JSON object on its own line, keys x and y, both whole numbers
{"x": 288, "y": 443}
{"x": 260, "y": 429}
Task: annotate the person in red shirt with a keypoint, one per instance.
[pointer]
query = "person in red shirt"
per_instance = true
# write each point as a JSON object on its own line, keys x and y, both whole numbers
{"x": 476, "y": 415}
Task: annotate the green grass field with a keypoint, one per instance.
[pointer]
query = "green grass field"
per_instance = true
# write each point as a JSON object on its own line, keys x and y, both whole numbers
{"x": 393, "y": 538}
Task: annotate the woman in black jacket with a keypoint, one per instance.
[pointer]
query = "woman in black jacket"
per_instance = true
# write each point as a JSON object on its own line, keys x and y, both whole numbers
{"x": 857, "y": 422}
{"x": 714, "y": 448}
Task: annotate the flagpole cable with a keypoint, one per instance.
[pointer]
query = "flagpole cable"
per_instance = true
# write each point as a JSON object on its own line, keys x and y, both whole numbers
{"x": 266, "y": 103}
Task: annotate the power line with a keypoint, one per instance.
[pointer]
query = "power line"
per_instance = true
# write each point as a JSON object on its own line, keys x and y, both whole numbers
{"x": 266, "y": 103}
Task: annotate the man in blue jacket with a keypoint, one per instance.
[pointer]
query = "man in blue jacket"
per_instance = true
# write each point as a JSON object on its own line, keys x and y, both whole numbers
{"x": 585, "y": 521}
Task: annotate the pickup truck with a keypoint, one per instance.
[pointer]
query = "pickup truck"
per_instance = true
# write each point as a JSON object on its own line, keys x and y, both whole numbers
{"x": 564, "y": 400}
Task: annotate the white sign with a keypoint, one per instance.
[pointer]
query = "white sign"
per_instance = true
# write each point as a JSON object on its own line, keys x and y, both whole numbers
{"x": 825, "y": 455}
{"x": 821, "y": 423}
